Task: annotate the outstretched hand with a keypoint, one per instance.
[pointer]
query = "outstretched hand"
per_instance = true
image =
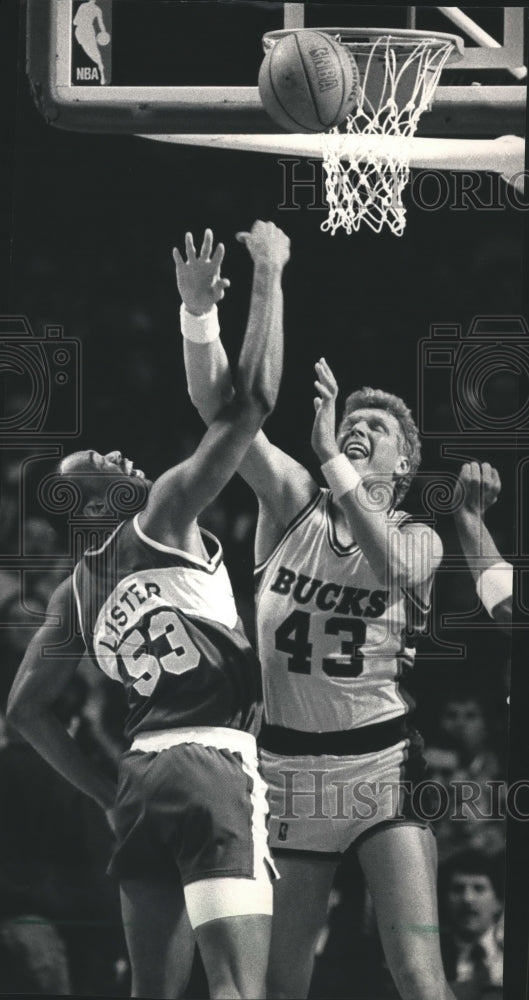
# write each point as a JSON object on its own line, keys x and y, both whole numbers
{"x": 198, "y": 277}
{"x": 480, "y": 485}
{"x": 324, "y": 427}
{"x": 266, "y": 243}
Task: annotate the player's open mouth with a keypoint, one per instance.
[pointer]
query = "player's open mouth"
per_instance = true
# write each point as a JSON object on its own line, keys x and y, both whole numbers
{"x": 356, "y": 450}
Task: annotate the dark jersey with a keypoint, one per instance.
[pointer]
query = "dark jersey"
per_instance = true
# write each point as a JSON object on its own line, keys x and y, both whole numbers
{"x": 164, "y": 624}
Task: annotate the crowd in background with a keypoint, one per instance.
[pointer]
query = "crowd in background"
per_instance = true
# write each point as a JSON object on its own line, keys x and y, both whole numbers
{"x": 93, "y": 229}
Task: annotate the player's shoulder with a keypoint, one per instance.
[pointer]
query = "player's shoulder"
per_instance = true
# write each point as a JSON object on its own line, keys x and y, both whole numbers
{"x": 427, "y": 545}
{"x": 412, "y": 524}
{"x": 104, "y": 546}
{"x": 61, "y": 611}
{"x": 62, "y": 596}
{"x": 425, "y": 536}
{"x": 274, "y": 528}
{"x": 60, "y": 625}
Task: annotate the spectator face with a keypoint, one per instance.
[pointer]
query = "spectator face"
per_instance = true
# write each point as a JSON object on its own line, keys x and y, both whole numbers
{"x": 472, "y": 904}
{"x": 441, "y": 764}
{"x": 462, "y": 723}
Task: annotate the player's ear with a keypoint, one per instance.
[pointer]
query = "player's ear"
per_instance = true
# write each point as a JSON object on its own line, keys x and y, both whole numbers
{"x": 402, "y": 466}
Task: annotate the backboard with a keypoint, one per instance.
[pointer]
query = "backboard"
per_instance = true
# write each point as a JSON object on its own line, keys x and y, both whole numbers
{"x": 159, "y": 66}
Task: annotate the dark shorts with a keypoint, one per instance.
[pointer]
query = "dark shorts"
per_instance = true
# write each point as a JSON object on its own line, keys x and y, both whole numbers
{"x": 189, "y": 811}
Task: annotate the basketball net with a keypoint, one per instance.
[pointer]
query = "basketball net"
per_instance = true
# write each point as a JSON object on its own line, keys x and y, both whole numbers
{"x": 364, "y": 182}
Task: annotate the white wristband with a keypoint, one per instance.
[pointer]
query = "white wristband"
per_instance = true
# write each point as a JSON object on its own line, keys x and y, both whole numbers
{"x": 200, "y": 329}
{"x": 494, "y": 585}
{"x": 340, "y": 475}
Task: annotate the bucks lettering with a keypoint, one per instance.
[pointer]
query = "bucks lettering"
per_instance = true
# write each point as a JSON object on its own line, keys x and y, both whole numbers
{"x": 328, "y": 596}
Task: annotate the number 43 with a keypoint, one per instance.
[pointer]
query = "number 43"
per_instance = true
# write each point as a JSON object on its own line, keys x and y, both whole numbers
{"x": 293, "y": 637}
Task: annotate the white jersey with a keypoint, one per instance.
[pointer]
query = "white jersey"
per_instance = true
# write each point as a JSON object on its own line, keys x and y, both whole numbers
{"x": 333, "y": 643}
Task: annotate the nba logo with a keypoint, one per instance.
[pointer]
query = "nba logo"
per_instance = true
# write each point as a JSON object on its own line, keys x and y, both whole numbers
{"x": 283, "y": 830}
{"x": 91, "y": 42}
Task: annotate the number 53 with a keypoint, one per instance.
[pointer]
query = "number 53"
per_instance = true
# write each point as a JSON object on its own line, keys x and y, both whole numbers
{"x": 181, "y": 657}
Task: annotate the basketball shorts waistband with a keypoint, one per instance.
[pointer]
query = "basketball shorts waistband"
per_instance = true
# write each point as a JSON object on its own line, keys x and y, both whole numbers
{"x": 342, "y": 743}
{"x": 221, "y": 737}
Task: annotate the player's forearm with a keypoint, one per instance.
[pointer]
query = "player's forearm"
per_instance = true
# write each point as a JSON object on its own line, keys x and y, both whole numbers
{"x": 392, "y": 555}
{"x": 491, "y": 574}
{"x": 476, "y": 541}
{"x": 47, "y": 735}
{"x": 399, "y": 557}
{"x": 261, "y": 359}
{"x": 209, "y": 380}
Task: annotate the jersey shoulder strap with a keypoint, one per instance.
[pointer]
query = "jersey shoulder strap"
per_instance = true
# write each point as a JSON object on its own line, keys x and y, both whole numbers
{"x": 303, "y": 515}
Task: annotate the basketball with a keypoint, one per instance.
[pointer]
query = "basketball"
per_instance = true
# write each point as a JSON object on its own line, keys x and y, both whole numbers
{"x": 103, "y": 38}
{"x": 308, "y": 82}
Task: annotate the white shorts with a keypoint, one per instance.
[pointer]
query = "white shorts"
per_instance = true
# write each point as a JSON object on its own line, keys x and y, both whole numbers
{"x": 325, "y": 803}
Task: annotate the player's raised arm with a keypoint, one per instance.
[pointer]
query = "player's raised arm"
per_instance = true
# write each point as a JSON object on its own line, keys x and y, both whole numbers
{"x": 201, "y": 286}
{"x": 480, "y": 487}
{"x": 41, "y": 678}
{"x": 362, "y": 479}
{"x": 190, "y": 486}
{"x": 282, "y": 485}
